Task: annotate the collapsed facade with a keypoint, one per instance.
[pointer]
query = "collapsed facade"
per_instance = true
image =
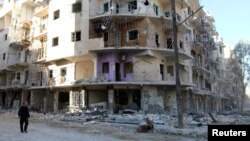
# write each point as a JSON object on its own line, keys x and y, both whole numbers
{"x": 117, "y": 54}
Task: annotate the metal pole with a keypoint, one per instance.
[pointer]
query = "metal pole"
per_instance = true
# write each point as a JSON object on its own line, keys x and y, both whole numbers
{"x": 178, "y": 85}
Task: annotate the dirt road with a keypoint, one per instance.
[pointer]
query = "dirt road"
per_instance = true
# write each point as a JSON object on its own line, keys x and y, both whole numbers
{"x": 49, "y": 131}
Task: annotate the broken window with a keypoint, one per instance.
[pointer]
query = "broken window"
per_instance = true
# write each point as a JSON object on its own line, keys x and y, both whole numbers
{"x": 170, "y": 70}
{"x": 133, "y": 35}
{"x": 105, "y": 7}
{"x": 50, "y": 73}
{"x": 132, "y": 6}
{"x": 76, "y": 36}
{"x": 128, "y": 68}
{"x": 105, "y": 67}
{"x": 169, "y": 43}
{"x": 167, "y": 14}
{"x": 56, "y": 14}
{"x": 55, "y": 41}
{"x": 77, "y": 7}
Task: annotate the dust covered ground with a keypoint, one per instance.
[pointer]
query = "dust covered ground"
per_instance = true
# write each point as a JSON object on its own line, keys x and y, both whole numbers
{"x": 51, "y": 130}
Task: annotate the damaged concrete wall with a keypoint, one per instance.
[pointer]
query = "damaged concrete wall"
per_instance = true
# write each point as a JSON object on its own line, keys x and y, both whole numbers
{"x": 152, "y": 99}
{"x": 145, "y": 69}
{"x": 170, "y": 100}
{"x": 75, "y": 99}
{"x": 49, "y": 101}
{"x": 84, "y": 70}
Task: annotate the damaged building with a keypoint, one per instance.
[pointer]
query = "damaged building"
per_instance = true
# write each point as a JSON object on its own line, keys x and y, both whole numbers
{"x": 117, "y": 54}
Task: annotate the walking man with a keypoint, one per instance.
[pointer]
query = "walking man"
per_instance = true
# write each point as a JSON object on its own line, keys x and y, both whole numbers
{"x": 24, "y": 114}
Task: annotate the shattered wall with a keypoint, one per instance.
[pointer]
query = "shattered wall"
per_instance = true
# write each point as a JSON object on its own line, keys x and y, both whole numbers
{"x": 152, "y": 99}
{"x": 146, "y": 69}
{"x": 76, "y": 99}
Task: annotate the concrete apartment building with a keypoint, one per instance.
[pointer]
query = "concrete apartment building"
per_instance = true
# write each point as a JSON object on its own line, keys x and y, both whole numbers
{"x": 79, "y": 53}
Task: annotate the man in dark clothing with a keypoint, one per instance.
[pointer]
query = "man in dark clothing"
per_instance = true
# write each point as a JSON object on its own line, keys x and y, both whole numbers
{"x": 24, "y": 114}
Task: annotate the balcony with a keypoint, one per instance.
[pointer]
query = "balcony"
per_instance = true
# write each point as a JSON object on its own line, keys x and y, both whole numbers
{"x": 26, "y": 24}
{"x": 116, "y": 9}
{"x": 16, "y": 84}
{"x": 41, "y": 2}
{"x": 17, "y": 60}
{"x": 43, "y": 12}
{"x": 30, "y": 3}
{"x": 198, "y": 23}
{"x": 198, "y": 44}
{"x": 200, "y": 68}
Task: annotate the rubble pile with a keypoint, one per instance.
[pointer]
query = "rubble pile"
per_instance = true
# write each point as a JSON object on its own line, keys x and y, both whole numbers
{"x": 195, "y": 122}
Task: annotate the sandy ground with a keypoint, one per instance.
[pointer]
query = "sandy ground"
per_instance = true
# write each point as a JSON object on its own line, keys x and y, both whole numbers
{"x": 41, "y": 130}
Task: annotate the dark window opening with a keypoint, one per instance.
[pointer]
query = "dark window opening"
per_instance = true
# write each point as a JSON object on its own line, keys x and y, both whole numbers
{"x": 220, "y": 50}
{"x": 132, "y": 5}
{"x": 63, "y": 100}
{"x": 169, "y": 43}
{"x": 56, "y": 14}
{"x": 157, "y": 40}
{"x": 133, "y": 35}
{"x": 76, "y": 36}
{"x": 178, "y": 17}
{"x": 189, "y": 11}
{"x": 77, "y": 7}
{"x": 26, "y": 77}
{"x": 181, "y": 44}
{"x": 5, "y": 37}
{"x": 117, "y": 72}
{"x": 4, "y": 56}
{"x": 127, "y": 99}
{"x": 106, "y": 7}
{"x": 162, "y": 71}
{"x": 50, "y": 73}
{"x": 106, "y": 36}
{"x": 18, "y": 76}
{"x": 55, "y": 41}
{"x": 156, "y": 9}
{"x": 105, "y": 67}
{"x": 167, "y": 14}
